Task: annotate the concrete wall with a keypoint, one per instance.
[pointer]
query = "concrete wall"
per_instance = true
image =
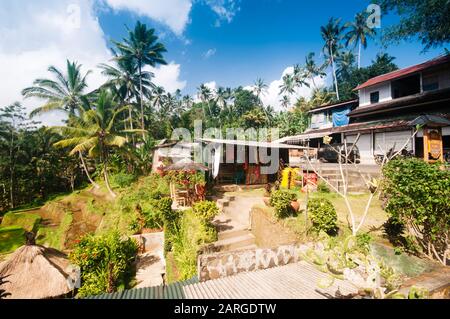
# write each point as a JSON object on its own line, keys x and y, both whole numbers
{"x": 383, "y": 88}
{"x": 219, "y": 265}
{"x": 268, "y": 232}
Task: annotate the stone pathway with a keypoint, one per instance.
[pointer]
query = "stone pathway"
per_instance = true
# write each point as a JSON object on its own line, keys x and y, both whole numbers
{"x": 150, "y": 265}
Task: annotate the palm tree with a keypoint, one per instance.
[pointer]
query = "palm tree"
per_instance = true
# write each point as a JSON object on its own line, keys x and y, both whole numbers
{"x": 158, "y": 96}
{"x": 95, "y": 132}
{"x": 332, "y": 34}
{"x": 187, "y": 101}
{"x": 142, "y": 46}
{"x": 313, "y": 70}
{"x": 300, "y": 76}
{"x": 288, "y": 85}
{"x": 359, "y": 33}
{"x": 205, "y": 95}
{"x": 285, "y": 101}
{"x": 124, "y": 77}
{"x": 346, "y": 63}
{"x": 260, "y": 88}
{"x": 65, "y": 93}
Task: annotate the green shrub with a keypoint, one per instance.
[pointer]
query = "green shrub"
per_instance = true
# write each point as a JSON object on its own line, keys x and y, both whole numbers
{"x": 322, "y": 187}
{"x": 281, "y": 201}
{"x": 206, "y": 210}
{"x": 28, "y": 221}
{"x": 104, "y": 261}
{"x": 122, "y": 180}
{"x": 323, "y": 215}
{"x": 191, "y": 234}
{"x": 363, "y": 241}
{"x": 417, "y": 197}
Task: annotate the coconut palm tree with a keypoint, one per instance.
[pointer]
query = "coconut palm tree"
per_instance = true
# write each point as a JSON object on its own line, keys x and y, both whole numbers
{"x": 187, "y": 101}
{"x": 332, "y": 35}
{"x": 285, "y": 101}
{"x": 313, "y": 70}
{"x": 288, "y": 85}
{"x": 345, "y": 62}
{"x": 300, "y": 77}
{"x": 358, "y": 34}
{"x": 142, "y": 45}
{"x": 124, "y": 77}
{"x": 95, "y": 132}
{"x": 158, "y": 96}
{"x": 205, "y": 95}
{"x": 66, "y": 92}
{"x": 260, "y": 88}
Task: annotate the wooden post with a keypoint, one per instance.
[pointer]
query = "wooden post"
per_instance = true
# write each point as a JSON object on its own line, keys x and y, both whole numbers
{"x": 425, "y": 144}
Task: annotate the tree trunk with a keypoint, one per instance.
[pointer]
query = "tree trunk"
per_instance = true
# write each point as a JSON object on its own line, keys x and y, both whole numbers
{"x": 142, "y": 101}
{"x": 96, "y": 186}
{"x": 104, "y": 157}
{"x": 334, "y": 73}
{"x": 11, "y": 170}
{"x": 359, "y": 54}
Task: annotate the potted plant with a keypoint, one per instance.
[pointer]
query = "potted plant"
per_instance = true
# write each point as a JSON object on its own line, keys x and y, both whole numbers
{"x": 200, "y": 186}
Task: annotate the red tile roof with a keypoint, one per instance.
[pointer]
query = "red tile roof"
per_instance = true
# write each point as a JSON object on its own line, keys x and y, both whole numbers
{"x": 406, "y": 71}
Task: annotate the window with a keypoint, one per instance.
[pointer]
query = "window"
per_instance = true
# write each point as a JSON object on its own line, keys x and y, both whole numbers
{"x": 406, "y": 86}
{"x": 430, "y": 83}
{"x": 374, "y": 97}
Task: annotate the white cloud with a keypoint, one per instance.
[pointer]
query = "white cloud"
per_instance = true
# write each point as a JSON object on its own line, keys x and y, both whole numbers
{"x": 173, "y": 13}
{"x": 225, "y": 10}
{"x": 36, "y": 35}
{"x": 209, "y": 53}
{"x": 168, "y": 76}
{"x": 272, "y": 97}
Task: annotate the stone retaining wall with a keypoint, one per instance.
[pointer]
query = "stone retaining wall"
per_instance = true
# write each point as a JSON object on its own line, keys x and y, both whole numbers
{"x": 219, "y": 265}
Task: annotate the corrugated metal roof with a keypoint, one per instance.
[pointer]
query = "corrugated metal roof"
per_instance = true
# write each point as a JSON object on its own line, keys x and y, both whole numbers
{"x": 172, "y": 291}
{"x": 294, "y": 281}
{"x": 334, "y": 105}
{"x": 406, "y": 71}
{"x": 274, "y": 144}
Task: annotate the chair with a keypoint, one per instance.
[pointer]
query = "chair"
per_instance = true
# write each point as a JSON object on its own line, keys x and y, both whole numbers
{"x": 175, "y": 195}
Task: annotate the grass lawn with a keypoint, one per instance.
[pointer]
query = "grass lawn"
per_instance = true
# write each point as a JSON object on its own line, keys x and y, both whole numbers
{"x": 373, "y": 223}
{"x": 28, "y": 221}
{"x": 52, "y": 236}
{"x": 11, "y": 238}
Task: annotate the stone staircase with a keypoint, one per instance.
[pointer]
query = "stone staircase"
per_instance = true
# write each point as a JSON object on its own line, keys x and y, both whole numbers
{"x": 235, "y": 235}
{"x": 235, "y": 240}
{"x": 356, "y": 183}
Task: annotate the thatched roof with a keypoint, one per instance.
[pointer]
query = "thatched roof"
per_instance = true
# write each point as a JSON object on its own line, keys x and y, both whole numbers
{"x": 35, "y": 272}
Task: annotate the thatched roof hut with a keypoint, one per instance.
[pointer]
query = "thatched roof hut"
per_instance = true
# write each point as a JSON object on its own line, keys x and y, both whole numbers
{"x": 35, "y": 272}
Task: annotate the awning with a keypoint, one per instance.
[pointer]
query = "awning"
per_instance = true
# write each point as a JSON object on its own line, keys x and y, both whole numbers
{"x": 250, "y": 143}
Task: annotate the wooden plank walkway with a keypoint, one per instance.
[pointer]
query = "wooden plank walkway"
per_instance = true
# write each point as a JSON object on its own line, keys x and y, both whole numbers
{"x": 294, "y": 281}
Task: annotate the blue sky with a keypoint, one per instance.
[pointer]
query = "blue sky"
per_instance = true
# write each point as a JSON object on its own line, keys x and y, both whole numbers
{"x": 218, "y": 42}
{"x": 263, "y": 38}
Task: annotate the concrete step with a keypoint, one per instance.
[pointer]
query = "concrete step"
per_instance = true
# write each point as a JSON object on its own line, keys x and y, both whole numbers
{"x": 232, "y": 233}
{"x": 234, "y": 243}
{"x": 249, "y": 247}
{"x": 230, "y": 198}
{"x": 222, "y": 203}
